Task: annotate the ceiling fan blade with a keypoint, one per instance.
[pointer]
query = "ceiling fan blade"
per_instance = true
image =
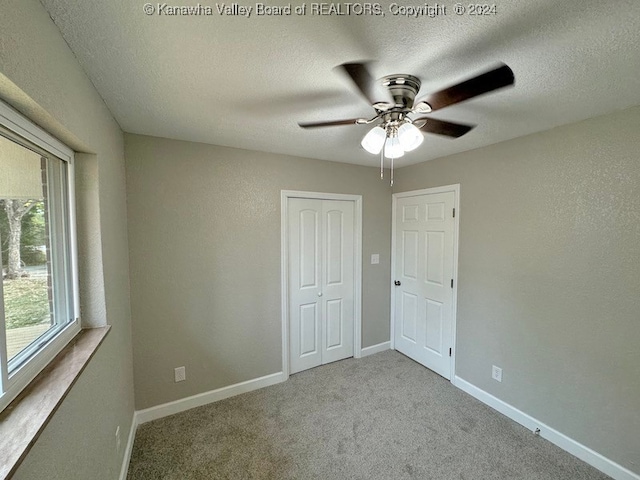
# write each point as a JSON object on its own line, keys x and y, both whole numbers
{"x": 492, "y": 80}
{"x": 442, "y": 127}
{"x": 352, "y": 121}
{"x": 368, "y": 86}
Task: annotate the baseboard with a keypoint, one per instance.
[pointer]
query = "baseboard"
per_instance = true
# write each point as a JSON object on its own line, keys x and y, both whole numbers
{"x": 166, "y": 409}
{"x": 584, "y": 453}
{"x": 381, "y": 347}
{"x": 129, "y": 447}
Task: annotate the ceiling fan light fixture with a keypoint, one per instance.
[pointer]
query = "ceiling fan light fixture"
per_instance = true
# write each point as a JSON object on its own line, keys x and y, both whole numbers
{"x": 374, "y": 140}
{"x": 409, "y": 137}
{"x": 392, "y": 148}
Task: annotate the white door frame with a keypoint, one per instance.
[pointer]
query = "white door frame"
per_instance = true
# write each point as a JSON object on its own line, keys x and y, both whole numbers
{"x": 284, "y": 267}
{"x": 456, "y": 224}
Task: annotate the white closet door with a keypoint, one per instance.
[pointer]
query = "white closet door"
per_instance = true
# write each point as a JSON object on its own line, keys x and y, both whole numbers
{"x": 337, "y": 305}
{"x": 305, "y": 280}
{"x": 321, "y": 282}
{"x": 424, "y": 269}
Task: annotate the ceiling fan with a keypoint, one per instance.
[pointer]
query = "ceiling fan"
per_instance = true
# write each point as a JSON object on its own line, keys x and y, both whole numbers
{"x": 393, "y": 99}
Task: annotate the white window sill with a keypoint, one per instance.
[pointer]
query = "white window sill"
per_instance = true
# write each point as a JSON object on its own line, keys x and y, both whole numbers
{"x": 26, "y": 417}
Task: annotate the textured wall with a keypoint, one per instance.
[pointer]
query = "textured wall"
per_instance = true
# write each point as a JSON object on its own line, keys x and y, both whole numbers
{"x": 549, "y": 275}
{"x": 204, "y": 226}
{"x": 40, "y": 76}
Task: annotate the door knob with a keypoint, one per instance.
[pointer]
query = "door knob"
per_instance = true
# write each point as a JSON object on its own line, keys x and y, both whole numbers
{"x": 319, "y": 294}
{"x": 397, "y": 283}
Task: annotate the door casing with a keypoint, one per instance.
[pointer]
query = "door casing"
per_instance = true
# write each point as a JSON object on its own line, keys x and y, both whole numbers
{"x": 284, "y": 267}
{"x": 447, "y": 188}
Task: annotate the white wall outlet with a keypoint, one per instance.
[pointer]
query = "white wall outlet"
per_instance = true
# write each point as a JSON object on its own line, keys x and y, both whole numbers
{"x": 496, "y": 373}
{"x": 180, "y": 374}
{"x": 375, "y": 258}
{"x": 118, "y": 439}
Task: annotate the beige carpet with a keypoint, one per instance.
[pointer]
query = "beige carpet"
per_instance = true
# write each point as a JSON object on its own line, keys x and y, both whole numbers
{"x": 380, "y": 417}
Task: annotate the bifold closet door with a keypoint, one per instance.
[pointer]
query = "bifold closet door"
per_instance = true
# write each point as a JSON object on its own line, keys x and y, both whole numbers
{"x": 321, "y": 281}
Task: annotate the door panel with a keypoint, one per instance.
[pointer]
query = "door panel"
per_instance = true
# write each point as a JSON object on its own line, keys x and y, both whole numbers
{"x": 321, "y": 288}
{"x": 308, "y": 329}
{"x": 308, "y": 249}
{"x": 424, "y": 267}
{"x": 435, "y": 211}
{"x": 433, "y": 333}
{"x": 409, "y": 316}
{"x": 409, "y": 213}
{"x": 304, "y": 274}
{"x": 335, "y": 239}
{"x": 410, "y": 254}
{"x": 338, "y": 283}
{"x": 434, "y": 268}
{"x": 334, "y": 324}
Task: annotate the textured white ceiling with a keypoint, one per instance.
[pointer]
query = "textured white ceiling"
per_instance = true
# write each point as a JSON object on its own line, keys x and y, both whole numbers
{"x": 246, "y": 82}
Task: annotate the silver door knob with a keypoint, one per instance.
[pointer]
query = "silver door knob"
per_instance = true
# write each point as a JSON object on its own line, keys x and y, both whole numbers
{"x": 319, "y": 294}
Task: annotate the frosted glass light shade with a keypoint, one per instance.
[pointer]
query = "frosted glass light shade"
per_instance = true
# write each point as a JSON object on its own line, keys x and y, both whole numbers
{"x": 393, "y": 149}
{"x": 374, "y": 140}
{"x": 409, "y": 136}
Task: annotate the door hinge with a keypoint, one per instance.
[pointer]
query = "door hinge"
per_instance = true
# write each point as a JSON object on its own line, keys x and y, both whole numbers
{"x": 449, "y": 352}
{"x": 454, "y": 213}
{"x": 452, "y": 283}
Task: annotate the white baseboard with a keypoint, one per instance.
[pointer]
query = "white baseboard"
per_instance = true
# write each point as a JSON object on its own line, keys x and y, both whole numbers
{"x": 584, "y": 453}
{"x": 166, "y": 409}
{"x": 129, "y": 447}
{"x": 381, "y": 347}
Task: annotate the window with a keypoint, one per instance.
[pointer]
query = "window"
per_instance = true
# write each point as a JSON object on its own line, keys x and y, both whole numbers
{"x": 38, "y": 293}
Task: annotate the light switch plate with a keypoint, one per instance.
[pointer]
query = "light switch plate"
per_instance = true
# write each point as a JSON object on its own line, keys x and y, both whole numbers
{"x": 375, "y": 258}
{"x": 180, "y": 374}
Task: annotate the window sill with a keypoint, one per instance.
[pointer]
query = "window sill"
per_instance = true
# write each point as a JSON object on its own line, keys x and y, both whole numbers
{"x": 26, "y": 417}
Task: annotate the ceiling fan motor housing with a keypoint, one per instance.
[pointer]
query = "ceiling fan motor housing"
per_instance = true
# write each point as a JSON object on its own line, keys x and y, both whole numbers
{"x": 403, "y": 89}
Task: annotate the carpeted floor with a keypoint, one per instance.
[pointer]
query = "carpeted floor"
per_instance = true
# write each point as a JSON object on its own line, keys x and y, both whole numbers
{"x": 380, "y": 417}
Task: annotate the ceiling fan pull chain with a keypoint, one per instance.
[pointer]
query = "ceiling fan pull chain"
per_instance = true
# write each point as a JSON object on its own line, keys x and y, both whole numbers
{"x": 391, "y": 181}
{"x": 382, "y": 164}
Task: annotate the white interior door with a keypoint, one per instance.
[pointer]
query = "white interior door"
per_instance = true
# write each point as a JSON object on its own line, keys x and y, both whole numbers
{"x": 321, "y": 239}
{"x": 424, "y": 258}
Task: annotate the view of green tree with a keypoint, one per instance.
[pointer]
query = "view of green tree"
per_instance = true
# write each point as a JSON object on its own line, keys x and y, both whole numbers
{"x": 33, "y": 231}
{"x": 26, "y": 299}
{"x": 26, "y": 228}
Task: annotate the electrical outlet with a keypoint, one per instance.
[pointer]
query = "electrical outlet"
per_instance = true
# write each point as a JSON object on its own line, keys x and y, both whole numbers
{"x": 118, "y": 439}
{"x": 375, "y": 258}
{"x": 180, "y": 374}
{"x": 496, "y": 373}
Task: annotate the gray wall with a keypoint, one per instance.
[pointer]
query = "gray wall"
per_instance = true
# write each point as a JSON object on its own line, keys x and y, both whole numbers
{"x": 204, "y": 226}
{"x": 548, "y": 282}
{"x": 39, "y": 75}
{"x": 549, "y": 275}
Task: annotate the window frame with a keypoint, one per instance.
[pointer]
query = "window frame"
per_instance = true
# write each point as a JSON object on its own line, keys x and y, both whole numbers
{"x": 19, "y": 129}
